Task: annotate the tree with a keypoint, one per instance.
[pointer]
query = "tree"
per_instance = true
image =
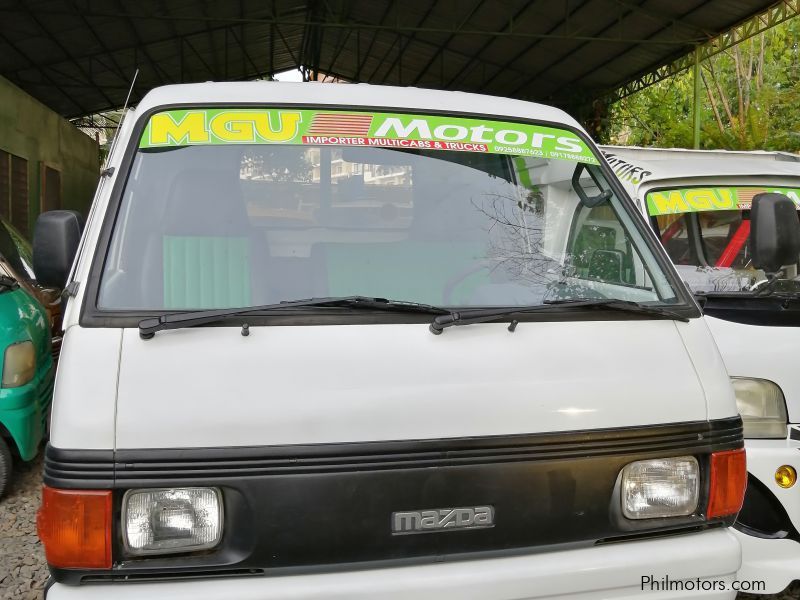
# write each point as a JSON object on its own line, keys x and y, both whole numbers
{"x": 751, "y": 100}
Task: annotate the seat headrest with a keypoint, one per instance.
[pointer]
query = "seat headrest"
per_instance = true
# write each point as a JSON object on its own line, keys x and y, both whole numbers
{"x": 206, "y": 203}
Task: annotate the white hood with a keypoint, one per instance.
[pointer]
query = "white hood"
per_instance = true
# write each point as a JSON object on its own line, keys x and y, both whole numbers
{"x": 212, "y": 387}
{"x": 763, "y": 353}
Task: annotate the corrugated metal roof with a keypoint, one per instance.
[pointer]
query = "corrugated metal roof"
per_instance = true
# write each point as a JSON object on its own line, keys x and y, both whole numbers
{"x": 78, "y": 56}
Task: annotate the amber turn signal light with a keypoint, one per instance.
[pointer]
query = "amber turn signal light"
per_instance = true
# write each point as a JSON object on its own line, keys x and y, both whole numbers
{"x": 785, "y": 476}
{"x": 75, "y": 528}
{"x": 728, "y": 483}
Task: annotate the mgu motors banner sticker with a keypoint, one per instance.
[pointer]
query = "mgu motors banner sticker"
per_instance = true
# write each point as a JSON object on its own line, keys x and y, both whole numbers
{"x": 702, "y": 199}
{"x": 339, "y": 128}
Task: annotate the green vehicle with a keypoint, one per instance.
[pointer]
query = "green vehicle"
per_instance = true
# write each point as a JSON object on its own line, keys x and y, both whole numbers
{"x": 26, "y": 387}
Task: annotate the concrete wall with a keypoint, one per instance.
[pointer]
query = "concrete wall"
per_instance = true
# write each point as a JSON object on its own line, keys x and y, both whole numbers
{"x": 31, "y": 130}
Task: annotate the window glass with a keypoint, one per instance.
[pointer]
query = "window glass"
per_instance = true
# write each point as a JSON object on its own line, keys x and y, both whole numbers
{"x": 16, "y": 251}
{"x": 726, "y": 238}
{"x": 602, "y": 250}
{"x": 674, "y": 234}
{"x": 222, "y": 225}
{"x": 706, "y": 232}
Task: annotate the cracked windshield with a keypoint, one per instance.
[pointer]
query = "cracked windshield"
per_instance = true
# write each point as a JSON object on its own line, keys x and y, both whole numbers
{"x": 706, "y": 232}
{"x": 242, "y": 208}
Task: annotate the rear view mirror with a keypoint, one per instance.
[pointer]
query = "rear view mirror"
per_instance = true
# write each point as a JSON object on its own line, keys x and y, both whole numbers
{"x": 56, "y": 236}
{"x": 587, "y": 200}
{"x": 774, "y": 232}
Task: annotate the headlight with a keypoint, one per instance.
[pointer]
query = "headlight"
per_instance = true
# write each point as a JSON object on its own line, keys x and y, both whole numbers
{"x": 19, "y": 364}
{"x": 666, "y": 487}
{"x": 762, "y": 406}
{"x": 165, "y": 521}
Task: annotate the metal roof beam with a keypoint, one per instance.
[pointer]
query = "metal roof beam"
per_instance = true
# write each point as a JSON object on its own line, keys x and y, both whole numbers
{"x": 506, "y": 31}
{"x": 116, "y": 67}
{"x": 66, "y": 52}
{"x": 360, "y": 65}
{"x": 42, "y": 72}
{"x": 246, "y": 54}
{"x": 207, "y": 67}
{"x": 341, "y": 42}
{"x": 507, "y": 28}
{"x": 618, "y": 55}
{"x": 661, "y": 16}
{"x": 398, "y": 36}
{"x": 409, "y": 39}
{"x": 532, "y": 45}
{"x": 274, "y": 22}
{"x": 159, "y": 72}
{"x": 533, "y": 77}
{"x": 774, "y": 15}
{"x": 441, "y": 48}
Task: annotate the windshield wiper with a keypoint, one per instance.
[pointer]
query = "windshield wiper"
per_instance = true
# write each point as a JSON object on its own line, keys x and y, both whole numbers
{"x": 148, "y": 327}
{"x": 492, "y": 314}
{"x": 8, "y": 283}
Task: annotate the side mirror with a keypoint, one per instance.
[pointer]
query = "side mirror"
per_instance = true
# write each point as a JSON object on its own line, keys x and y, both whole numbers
{"x": 774, "y": 232}
{"x": 56, "y": 236}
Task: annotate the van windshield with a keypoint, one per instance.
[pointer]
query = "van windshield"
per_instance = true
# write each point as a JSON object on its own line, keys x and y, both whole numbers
{"x": 706, "y": 232}
{"x": 234, "y": 208}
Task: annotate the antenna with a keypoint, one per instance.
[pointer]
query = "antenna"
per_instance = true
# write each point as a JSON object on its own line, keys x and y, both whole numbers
{"x": 122, "y": 118}
{"x": 130, "y": 90}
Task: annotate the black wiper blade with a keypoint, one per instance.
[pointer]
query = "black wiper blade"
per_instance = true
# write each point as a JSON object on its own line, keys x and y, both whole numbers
{"x": 484, "y": 315}
{"x": 623, "y": 305}
{"x": 8, "y": 283}
{"x": 492, "y": 314}
{"x": 148, "y": 327}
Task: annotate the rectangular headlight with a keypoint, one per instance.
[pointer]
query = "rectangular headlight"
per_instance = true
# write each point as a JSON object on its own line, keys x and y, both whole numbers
{"x": 165, "y": 521}
{"x": 19, "y": 364}
{"x": 665, "y": 487}
{"x": 762, "y": 406}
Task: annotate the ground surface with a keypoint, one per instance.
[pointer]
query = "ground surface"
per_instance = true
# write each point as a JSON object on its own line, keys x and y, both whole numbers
{"x": 22, "y": 568}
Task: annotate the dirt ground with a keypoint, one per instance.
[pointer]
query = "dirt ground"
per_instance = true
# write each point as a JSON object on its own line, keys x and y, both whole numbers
{"x": 22, "y": 568}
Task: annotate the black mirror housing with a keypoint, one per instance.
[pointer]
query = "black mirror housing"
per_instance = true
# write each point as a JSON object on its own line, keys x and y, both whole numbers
{"x": 56, "y": 236}
{"x": 774, "y": 232}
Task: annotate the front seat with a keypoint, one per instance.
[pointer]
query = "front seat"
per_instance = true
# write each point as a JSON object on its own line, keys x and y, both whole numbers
{"x": 202, "y": 255}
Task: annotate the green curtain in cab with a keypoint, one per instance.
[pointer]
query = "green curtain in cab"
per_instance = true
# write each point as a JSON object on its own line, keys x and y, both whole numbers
{"x": 206, "y": 272}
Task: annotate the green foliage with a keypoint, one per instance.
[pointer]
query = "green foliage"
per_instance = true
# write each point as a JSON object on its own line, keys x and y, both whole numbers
{"x": 750, "y": 100}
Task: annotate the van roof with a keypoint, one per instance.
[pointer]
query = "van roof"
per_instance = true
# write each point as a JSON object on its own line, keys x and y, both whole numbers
{"x": 675, "y": 163}
{"x": 348, "y": 95}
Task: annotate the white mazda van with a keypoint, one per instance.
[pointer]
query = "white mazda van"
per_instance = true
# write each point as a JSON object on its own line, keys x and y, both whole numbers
{"x": 357, "y": 342}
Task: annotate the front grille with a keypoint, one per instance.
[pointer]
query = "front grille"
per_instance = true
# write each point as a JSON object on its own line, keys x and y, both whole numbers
{"x": 329, "y": 506}
{"x": 134, "y": 468}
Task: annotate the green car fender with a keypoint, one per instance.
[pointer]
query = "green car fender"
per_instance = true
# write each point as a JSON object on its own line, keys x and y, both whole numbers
{"x": 24, "y": 408}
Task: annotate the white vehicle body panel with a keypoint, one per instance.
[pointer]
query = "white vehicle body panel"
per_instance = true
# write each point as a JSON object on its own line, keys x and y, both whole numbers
{"x": 764, "y": 353}
{"x": 599, "y": 573}
{"x": 84, "y": 400}
{"x": 395, "y": 382}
